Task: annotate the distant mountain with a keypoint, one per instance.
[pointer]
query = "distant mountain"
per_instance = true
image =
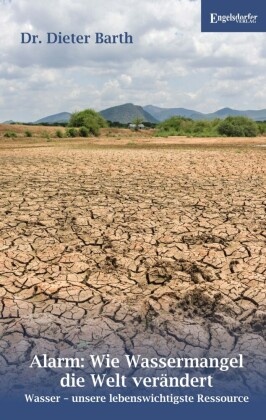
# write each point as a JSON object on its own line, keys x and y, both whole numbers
{"x": 127, "y": 113}
{"x": 225, "y": 112}
{"x": 162, "y": 114}
{"x": 56, "y": 118}
{"x": 259, "y": 115}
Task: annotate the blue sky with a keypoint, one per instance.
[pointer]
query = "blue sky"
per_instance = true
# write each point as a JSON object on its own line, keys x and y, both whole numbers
{"x": 170, "y": 64}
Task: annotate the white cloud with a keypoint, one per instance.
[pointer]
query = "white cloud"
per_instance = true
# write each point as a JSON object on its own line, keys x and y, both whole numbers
{"x": 170, "y": 64}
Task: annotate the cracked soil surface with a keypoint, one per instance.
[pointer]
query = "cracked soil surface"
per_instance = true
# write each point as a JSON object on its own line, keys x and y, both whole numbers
{"x": 157, "y": 252}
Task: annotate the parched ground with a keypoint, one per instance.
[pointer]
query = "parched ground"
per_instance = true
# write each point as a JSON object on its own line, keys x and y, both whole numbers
{"x": 153, "y": 251}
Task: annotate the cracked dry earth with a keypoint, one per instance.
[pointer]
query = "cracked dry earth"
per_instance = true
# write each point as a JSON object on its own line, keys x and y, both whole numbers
{"x": 152, "y": 252}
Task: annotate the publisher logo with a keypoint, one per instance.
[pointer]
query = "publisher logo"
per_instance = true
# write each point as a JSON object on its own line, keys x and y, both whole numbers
{"x": 236, "y": 18}
{"x": 233, "y": 16}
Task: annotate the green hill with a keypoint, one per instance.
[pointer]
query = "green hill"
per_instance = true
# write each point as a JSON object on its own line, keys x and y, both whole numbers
{"x": 127, "y": 113}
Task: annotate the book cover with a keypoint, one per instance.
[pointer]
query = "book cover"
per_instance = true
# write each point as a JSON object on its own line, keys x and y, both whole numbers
{"x": 132, "y": 229}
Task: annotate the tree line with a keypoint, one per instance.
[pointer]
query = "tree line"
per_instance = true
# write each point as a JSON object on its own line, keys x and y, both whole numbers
{"x": 232, "y": 126}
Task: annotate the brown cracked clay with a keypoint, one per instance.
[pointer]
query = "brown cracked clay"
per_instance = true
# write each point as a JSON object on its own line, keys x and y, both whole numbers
{"x": 155, "y": 252}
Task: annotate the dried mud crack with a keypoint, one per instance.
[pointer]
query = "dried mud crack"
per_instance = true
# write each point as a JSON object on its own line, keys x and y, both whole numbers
{"x": 159, "y": 252}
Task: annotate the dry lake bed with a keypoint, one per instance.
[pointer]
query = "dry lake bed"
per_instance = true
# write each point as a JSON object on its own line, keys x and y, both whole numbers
{"x": 133, "y": 246}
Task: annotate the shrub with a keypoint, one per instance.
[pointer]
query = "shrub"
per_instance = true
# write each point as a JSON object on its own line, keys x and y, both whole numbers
{"x": 10, "y": 134}
{"x": 59, "y": 134}
{"x": 94, "y": 130}
{"x": 231, "y": 127}
{"x": 84, "y": 132}
{"x": 72, "y": 132}
{"x": 89, "y": 119}
{"x": 181, "y": 126}
{"x": 28, "y": 133}
{"x": 262, "y": 127}
{"x": 238, "y": 127}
